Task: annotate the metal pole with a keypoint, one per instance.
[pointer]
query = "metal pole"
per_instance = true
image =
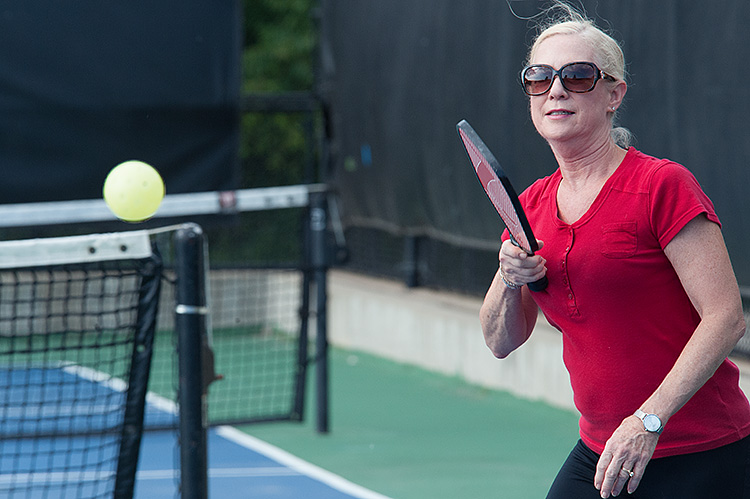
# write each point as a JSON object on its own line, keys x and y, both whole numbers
{"x": 319, "y": 263}
{"x": 190, "y": 323}
{"x": 411, "y": 261}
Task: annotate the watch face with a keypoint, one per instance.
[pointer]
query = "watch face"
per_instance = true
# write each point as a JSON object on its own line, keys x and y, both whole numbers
{"x": 652, "y": 422}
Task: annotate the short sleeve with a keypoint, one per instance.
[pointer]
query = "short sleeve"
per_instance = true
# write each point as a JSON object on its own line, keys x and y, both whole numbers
{"x": 675, "y": 198}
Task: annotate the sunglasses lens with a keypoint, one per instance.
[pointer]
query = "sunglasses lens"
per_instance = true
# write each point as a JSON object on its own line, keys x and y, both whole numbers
{"x": 579, "y": 77}
{"x": 537, "y": 79}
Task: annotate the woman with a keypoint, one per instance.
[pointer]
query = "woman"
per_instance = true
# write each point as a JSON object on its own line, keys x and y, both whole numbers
{"x": 640, "y": 285}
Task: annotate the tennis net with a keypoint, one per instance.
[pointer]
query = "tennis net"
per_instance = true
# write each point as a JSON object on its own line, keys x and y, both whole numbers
{"x": 266, "y": 291}
{"x": 77, "y": 321}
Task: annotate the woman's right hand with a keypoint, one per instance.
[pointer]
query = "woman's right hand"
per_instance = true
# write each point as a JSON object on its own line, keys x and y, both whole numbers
{"x": 517, "y": 267}
{"x": 508, "y": 313}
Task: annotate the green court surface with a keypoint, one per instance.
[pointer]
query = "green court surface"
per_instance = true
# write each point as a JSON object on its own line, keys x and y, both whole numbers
{"x": 410, "y": 434}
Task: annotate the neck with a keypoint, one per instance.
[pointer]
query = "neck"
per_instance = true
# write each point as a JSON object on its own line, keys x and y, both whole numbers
{"x": 581, "y": 167}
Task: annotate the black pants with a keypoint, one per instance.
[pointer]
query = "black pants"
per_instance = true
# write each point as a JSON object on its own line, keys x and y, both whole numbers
{"x": 719, "y": 473}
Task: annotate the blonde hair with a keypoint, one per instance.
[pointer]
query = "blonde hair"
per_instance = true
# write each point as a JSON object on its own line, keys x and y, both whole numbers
{"x": 563, "y": 19}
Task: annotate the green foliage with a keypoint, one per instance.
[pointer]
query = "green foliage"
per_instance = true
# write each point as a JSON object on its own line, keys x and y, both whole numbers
{"x": 278, "y": 56}
{"x": 275, "y": 148}
{"x": 258, "y": 238}
{"x": 279, "y": 45}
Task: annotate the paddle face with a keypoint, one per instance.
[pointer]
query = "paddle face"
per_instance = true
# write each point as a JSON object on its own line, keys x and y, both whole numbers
{"x": 501, "y": 193}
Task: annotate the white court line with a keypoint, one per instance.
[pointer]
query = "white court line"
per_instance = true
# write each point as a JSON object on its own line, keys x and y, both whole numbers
{"x": 106, "y": 380}
{"x": 116, "y": 384}
{"x": 258, "y": 472}
{"x": 331, "y": 479}
{"x": 296, "y": 464}
{"x": 15, "y": 479}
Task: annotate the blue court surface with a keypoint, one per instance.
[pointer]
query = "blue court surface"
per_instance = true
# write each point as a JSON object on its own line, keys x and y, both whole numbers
{"x": 41, "y": 398}
{"x": 241, "y": 466}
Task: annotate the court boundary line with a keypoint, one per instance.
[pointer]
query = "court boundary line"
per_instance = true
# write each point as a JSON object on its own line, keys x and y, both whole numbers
{"x": 241, "y": 438}
{"x": 281, "y": 456}
{"x": 296, "y": 463}
{"x": 254, "y": 471}
{"x": 52, "y": 478}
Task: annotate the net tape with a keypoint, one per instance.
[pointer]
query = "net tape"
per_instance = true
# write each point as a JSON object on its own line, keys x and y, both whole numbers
{"x": 173, "y": 205}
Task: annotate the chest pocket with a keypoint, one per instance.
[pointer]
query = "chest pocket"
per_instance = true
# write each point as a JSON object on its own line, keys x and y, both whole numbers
{"x": 619, "y": 240}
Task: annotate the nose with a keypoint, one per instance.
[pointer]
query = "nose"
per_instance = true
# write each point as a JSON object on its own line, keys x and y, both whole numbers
{"x": 557, "y": 88}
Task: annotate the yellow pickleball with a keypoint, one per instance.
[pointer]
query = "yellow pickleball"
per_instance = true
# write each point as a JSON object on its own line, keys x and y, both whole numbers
{"x": 133, "y": 190}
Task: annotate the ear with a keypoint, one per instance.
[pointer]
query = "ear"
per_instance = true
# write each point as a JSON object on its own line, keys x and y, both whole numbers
{"x": 617, "y": 94}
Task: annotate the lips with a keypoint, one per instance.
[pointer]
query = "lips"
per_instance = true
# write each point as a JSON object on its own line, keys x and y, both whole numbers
{"x": 559, "y": 112}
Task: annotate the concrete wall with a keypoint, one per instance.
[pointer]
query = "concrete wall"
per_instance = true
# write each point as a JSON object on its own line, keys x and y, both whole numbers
{"x": 244, "y": 297}
{"x": 440, "y": 332}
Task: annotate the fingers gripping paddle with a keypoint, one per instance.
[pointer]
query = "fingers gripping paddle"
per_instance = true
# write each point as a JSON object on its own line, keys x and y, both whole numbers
{"x": 500, "y": 191}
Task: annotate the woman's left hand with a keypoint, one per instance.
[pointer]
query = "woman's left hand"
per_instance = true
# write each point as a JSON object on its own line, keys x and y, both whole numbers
{"x": 629, "y": 449}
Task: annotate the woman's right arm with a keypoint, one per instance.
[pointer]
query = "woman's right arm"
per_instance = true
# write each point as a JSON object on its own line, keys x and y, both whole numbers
{"x": 508, "y": 315}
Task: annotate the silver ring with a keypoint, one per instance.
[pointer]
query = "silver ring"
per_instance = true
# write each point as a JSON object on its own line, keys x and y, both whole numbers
{"x": 630, "y": 473}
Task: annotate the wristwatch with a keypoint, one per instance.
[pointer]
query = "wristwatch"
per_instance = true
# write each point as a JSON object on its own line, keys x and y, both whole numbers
{"x": 651, "y": 422}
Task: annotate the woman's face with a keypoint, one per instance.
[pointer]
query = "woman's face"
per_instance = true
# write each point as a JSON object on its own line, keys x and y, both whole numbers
{"x": 563, "y": 117}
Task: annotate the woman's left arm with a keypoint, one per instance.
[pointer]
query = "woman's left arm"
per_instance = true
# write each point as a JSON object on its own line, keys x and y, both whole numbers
{"x": 700, "y": 258}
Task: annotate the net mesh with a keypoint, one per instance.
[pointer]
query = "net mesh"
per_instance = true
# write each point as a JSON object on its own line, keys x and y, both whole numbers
{"x": 255, "y": 341}
{"x": 68, "y": 334}
{"x": 255, "y": 344}
{"x": 257, "y": 292}
{"x": 67, "y": 338}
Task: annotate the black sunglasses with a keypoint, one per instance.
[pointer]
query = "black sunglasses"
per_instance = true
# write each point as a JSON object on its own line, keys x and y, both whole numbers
{"x": 578, "y": 77}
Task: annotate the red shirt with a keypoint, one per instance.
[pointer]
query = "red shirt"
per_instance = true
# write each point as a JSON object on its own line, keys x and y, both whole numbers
{"x": 620, "y": 306}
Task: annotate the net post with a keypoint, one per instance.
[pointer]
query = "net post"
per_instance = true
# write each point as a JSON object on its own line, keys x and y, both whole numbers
{"x": 140, "y": 368}
{"x": 190, "y": 324}
{"x": 411, "y": 261}
{"x": 319, "y": 260}
{"x": 303, "y": 312}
